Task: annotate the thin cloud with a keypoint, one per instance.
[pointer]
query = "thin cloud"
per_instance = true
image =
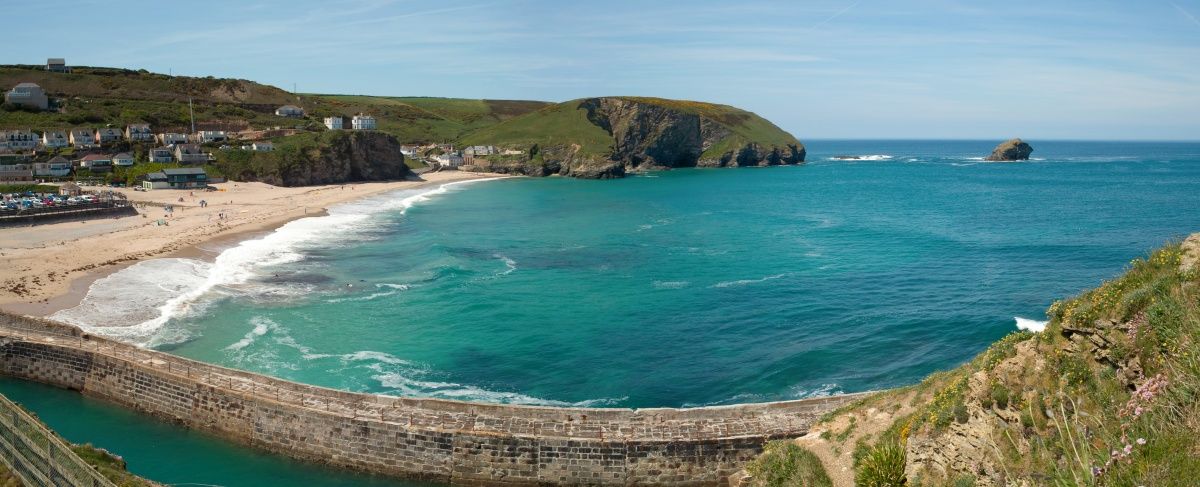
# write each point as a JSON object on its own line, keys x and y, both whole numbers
{"x": 836, "y": 15}
{"x": 1185, "y": 13}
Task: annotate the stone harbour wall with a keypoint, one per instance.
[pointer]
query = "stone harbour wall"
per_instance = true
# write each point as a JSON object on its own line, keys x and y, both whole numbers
{"x": 440, "y": 440}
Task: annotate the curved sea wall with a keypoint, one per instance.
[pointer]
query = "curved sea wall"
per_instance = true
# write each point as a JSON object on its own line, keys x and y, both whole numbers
{"x": 439, "y": 440}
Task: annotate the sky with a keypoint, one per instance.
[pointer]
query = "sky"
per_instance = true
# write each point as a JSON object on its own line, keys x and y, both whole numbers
{"x": 925, "y": 69}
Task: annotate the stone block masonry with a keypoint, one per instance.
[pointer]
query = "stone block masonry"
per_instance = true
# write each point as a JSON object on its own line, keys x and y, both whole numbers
{"x": 445, "y": 441}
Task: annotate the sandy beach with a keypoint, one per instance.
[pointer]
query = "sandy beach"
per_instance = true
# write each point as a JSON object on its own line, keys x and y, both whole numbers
{"x": 45, "y": 268}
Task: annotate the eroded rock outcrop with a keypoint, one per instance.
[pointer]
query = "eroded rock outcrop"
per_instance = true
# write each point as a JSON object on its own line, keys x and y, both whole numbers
{"x": 652, "y": 134}
{"x": 1011, "y": 150}
{"x": 332, "y": 158}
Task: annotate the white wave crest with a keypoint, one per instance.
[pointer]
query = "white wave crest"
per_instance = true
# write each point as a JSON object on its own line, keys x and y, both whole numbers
{"x": 261, "y": 327}
{"x": 867, "y": 157}
{"x": 671, "y": 284}
{"x": 1030, "y": 325}
{"x": 743, "y": 282}
{"x": 392, "y": 289}
{"x": 134, "y": 304}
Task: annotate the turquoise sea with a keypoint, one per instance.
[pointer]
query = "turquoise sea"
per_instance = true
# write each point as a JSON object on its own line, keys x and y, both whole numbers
{"x": 679, "y": 288}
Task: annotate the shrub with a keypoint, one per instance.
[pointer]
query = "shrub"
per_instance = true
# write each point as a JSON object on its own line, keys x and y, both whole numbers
{"x": 784, "y": 463}
{"x": 1000, "y": 396}
{"x": 883, "y": 466}
{"x": 960, "y": 413}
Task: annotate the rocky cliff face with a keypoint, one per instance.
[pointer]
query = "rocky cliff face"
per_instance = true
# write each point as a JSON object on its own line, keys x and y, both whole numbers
{"x": 651, "y": 136}
{"x": 332, "y": 158}
{"x": 1011, "y": 150}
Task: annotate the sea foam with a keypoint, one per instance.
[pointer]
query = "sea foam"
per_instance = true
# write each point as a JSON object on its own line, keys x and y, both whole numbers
{"x": 1030, "y": 325}
{"x": 135, "y": 303}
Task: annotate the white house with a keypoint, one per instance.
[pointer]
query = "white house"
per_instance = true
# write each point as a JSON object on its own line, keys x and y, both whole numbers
{"x": 108, "y": 135}
{"x": 333, "y": 123}
{"x": 449, "y": 160}
{"x": 57, "y": 167}
{"x": 211, "y": 136}
{"x": 123, "y": 159}
{"x": 18, "y": 140}
{"x": 57, "y": 65}
{"x": 161, "y": 154}
{"x": 190, "y": 154}
{"x": 479, "y": 150}
{"x": 83, "y": 139}
{"x": 53, "y": 139}
{"x": 96, "y": 162}
{"x": 363, "y": 122}
{"x": 262, "y": 147}
{"x": 28, "y": 95}
{"x": 291, "y": 111}
{"x": 139, "y": 132}
{"x": 171, "y": 138}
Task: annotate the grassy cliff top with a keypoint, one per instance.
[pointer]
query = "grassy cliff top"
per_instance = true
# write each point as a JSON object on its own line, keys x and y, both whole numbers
{"x": 568, "y": 123}
{"x": 99, "y": 96}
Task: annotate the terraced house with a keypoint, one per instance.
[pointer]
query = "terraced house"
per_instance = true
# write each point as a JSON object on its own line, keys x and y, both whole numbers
{"x": 83, "y": 139}
{"x": 19, "y": 140}
{"x": 139, "y": 132}
{"x": 55, "y": 139}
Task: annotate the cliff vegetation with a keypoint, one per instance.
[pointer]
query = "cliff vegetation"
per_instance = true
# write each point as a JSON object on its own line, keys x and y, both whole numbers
{"x": 609, "y": 136}
{"x": 1108, "y": 394}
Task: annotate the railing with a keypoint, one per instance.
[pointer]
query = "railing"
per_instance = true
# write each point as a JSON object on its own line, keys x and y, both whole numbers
{"x": 54, "y": 210}
{"x": 38, "y": 456}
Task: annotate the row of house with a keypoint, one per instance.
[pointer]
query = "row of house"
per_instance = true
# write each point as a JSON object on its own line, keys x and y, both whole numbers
{"x": 87, "y": 138}
{"x": 18, "y": 168}
{"x": 358, "y": 122}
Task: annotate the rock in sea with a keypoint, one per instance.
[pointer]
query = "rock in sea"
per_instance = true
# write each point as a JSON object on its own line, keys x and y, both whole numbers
{"x": 1012, "y": 150}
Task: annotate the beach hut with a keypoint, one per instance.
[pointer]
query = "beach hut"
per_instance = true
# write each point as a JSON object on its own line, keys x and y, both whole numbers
{"x": 70, "y": 189}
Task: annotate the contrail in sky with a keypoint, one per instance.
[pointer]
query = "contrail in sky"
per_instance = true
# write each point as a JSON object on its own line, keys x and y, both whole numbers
{"x": 847, "y": 9}
{"x": 1185, "y": 13}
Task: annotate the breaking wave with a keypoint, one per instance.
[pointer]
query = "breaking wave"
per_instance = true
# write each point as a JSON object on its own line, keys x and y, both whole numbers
{"x": 1030, "y": 325}
{"x": 155, "y": 291}
{"x": 743, "y": 282}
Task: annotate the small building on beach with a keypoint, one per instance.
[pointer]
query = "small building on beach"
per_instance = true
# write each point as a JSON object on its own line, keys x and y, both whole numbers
{"x": 96, "y": 162}
{"x": 70, "y": 189}
{"x": 179, "y": 178}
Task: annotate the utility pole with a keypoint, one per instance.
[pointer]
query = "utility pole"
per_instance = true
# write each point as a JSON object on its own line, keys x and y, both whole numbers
{"x": 192, "y": 112}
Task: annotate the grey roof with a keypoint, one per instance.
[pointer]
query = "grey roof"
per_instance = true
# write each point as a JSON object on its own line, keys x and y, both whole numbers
{"x": 58, "y": 160}
{"x": 56, "y": 60}
{"x": 28, "y": 85}
{"x": 156, "y": 176}
{"x": 123, "y": 155}
{"x": 184, "y": 171}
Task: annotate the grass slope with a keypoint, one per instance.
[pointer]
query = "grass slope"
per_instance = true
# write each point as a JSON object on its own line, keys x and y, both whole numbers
{"x": 567, "y": 123}
{"x": 100, "y": 96}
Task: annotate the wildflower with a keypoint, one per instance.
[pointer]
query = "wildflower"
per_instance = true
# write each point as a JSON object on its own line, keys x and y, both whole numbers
{"x": 1141, "y": 441}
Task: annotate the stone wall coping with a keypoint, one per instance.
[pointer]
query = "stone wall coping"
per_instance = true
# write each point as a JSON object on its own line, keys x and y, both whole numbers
{"x": 749, "y": 420}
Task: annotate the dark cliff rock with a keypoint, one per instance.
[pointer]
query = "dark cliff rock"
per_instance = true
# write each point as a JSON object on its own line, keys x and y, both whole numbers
{"x": 1012, "y": 150}
{"x": 326, "y": 158}
{"x": 647, "y": 134}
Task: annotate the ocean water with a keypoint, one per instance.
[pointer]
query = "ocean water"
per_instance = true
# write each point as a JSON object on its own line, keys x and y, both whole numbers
{"x": 679, "y": 288}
